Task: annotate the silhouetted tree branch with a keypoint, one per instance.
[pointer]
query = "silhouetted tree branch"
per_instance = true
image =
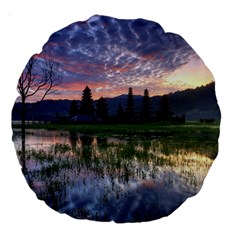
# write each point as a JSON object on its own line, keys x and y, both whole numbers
{"x": 52, "y": 77}
{"x": 44, "y": 82}
{"x": 40, "y": 81}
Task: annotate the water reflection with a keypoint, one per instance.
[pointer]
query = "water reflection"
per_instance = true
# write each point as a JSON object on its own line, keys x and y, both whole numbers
{"x": 120, "y": 179}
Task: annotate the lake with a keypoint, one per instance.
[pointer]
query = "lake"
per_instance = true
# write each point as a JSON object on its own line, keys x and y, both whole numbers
{"x": 116, "y": 178}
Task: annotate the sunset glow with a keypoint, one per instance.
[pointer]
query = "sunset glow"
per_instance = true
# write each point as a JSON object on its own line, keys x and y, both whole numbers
{"x": 111, "y": 55}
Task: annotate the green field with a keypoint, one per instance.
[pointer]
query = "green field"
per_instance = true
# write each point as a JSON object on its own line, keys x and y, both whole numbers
{"x": 188, "y": 130}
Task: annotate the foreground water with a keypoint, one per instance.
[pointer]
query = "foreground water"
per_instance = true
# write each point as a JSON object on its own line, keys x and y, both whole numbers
{"x": 119, "y": 178}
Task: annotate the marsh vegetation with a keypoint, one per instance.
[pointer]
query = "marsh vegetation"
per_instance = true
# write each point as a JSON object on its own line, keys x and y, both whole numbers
{"x": 125, "y": 178}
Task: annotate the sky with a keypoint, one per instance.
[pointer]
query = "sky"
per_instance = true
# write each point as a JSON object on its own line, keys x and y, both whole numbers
{"x": 110, "y": 55}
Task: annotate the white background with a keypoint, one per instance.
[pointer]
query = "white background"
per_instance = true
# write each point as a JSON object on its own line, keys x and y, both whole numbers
{"x": 212, "y": 29}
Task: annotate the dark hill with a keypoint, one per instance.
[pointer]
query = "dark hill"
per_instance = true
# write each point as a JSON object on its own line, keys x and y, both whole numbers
{"x": 194, "y": 103}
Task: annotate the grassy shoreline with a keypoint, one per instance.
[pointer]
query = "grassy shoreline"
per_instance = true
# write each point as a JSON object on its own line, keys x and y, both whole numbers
{"x": 188, "y": 129}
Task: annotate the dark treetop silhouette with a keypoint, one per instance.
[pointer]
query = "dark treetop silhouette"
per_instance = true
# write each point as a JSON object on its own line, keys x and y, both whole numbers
{"x": 146, "y": 106}
{"x": 102, "y": 108}
{"x": 130, "y": 106}
{"x": 164, "y": 112}
{"x": 87, "y": 107}
{"x": 73, "y": 109}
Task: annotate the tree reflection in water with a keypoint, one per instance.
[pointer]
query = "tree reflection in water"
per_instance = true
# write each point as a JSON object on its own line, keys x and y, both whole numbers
{"x": 125, "y": 180}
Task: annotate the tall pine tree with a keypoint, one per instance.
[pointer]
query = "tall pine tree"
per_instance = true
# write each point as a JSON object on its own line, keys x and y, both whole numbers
{"x": 120, "y": 113}
{"x": 87, "y": 107}
{"x": 146, "y": 106}
{"x": 130, "y": 106}
{"x": 73, "y": 109}
{"x": 102, "y": 108}
{"x": 164, "y": 113}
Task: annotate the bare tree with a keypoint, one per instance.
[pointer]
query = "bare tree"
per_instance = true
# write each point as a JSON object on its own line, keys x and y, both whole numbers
{"x": 43, "y": 82}
{"x": 39, "y": 81}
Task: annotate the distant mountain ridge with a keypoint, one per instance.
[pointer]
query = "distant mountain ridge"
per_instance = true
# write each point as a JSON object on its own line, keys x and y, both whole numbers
{"x": 195, "y": 103}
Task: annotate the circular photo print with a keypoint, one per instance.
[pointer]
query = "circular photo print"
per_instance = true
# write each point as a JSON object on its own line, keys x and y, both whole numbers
{"x": 116, "y": 120}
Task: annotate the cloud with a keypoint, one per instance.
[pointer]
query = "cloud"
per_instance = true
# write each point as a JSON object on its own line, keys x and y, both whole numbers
{"x": 115, "y": 52}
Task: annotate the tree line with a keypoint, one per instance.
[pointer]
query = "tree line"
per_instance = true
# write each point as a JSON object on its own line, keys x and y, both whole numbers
{"x": 41, "y": 79}
{"x": 127, "y": 114}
